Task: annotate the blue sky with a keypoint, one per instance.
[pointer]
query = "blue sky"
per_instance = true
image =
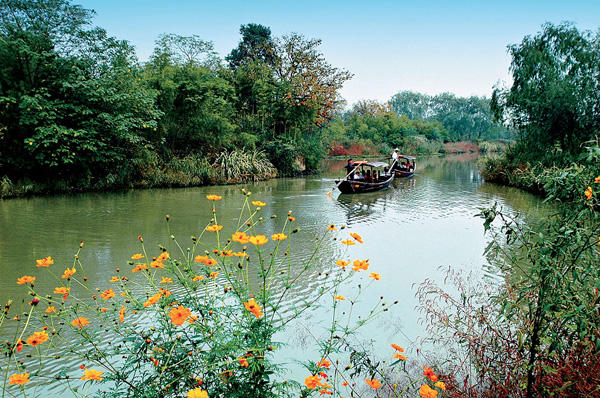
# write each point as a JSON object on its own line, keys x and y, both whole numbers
{"x": 428, "y": 46}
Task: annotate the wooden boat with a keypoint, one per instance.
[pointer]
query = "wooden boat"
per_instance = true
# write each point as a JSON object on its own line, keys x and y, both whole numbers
{"x": 366, "y": 177}
{"x": 405, "y": 166}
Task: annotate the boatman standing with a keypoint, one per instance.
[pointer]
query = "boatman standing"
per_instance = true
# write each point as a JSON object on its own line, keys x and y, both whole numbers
{"x": 395, "y": 154}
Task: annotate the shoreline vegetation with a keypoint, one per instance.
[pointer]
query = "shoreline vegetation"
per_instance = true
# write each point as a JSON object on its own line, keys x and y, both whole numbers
{"x": 78, "y": 108}
{"x": 79, "y": 111}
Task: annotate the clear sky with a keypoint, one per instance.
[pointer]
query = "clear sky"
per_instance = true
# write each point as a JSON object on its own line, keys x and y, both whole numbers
{"x": 427, "y": 46}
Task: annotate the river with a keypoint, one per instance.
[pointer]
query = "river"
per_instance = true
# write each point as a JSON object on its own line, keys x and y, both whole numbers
{"x": 411, "y": 231}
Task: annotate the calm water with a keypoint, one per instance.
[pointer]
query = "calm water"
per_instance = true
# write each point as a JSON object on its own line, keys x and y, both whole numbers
{"x": 410, "y": 230}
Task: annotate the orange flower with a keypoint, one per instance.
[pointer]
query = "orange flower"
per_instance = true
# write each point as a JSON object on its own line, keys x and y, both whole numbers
{"x": 179, "y": 315}
{"x": 137, "y": 256}
{"x": 80, "y": 322}
{"x": 375, "y": 276}
{"x": 312, "y": 382}
{"x": 197, "y": 393}
{"x": 259, "y": 203}
{"x": 339, "y": 297}
{"x": 596, "y": 180}
{"x": 348, "y": 242}
{"x": 358, "y": 265}
{"x": 122, "y": 314}
{"x": 19, "y": 378}
{"x": 440, "y": 385}
{"x": 278, "y": 236}
{"x": 198, "y": 278}
{"x": 114, "y": 279}
{"x": 164, "y": 292}
{"x": 240, "y": 254}
{"x": 37, "y": 338}
{"x": 254, "y": 308}
{"x": 324, "y": 363}
{"x": 108, "y": 294}
{"x": 51, "y": 309}
{"x": 139, "y": 267}
{"x": 214, "y": 197}
{"x": 166, "y": 280}
{"x": 45, "y": 262}
{"x": 399, "y": 356}
{"x": 588, "y": 193}
{"x": 226, "y": 253}
{"x": 214, "y": 228}
{"x": 240, "y": 237}
{"x": 157, "y": 264}
{"x": 152, "y": 300}
{"x": 162, "y": 257}
{"x": 345, "y": 383}
{"x": 331, "y": 228}
{"x": 258, "y": 240}
{"x": 342, "y": 263}
{"x": 292, "y": 218}
{"x": 192, "y": 319}
{"x": 373, "y": 383}
{"x": 427, "y": 392}
{"x": 68, "y": 273}
{"x": 92, "y": 374}
{"x": 25, "y": 279}
{"x": 243, "y": 362}
{"x": 62, "y": 290}
{"x": 397, "y": 347}
{"x": 356, "y": 237}
{"x": 429, "y": 373}
{"x": 214, "y": 274}
{"x": 19, "y": 345}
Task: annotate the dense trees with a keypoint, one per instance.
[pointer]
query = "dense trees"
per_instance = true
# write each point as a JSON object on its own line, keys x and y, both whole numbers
{"x": 553, "y": 101}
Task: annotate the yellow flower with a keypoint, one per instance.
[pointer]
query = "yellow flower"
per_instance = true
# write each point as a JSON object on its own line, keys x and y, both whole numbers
{"x": 357, "y": 237}
{"x": 163, "y": 256}
{"x": 348, "y": 242}
{"x": 197, "y": 393}
{"x": 358, "y": 265}
{"x": 440, "y": 385}
{"x": 258, "y": 240}
{"x": 240, "y": 237}
{"x": 50, "y": 309}
{"x": 312, "y": 382}
{"x": 137, "y": 256}
{"x": 198, "y": 278}
{"x": 45, "y": 262}
{"x": 399, "y": 356}
{"x": 214, "y": 228}
{"x": 19, "y": 379}
{"x": 214, "y": 197}
{"x": 278, "y": 236}
{"x": 226, "y": 253}
{"x": 342, "y": 263}
{"x": 139, "y": 267}
{"x": 240, "y": 254}
{"x": 25, "y": 279}
{"x": 340, "y": 298}
{"x": 92, "y": 374}
{"x": 588, "y": 193}
{"x": 166, "y": 280}
{"x": 122, "y": 314}
{"x": 214, "y": 274}
{"x": 62, "y": 290}
{"x": 596, "y": 180}
{"x": 164, "y": 292}
{"x": 331, "y": 228}
{"x": 114, "y": 279}
{"x": 254, "y": 308}
{"x": 258, "y": 203}
{"x": 375, "y": 276}
{"x": 68, "y": 273}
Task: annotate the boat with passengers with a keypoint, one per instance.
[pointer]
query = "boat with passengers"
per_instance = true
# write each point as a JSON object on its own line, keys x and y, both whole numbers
{"x": 366, "y": 177}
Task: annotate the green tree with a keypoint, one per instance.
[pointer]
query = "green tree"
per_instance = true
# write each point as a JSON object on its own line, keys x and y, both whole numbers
{"x": 72, "y": 102}
{"x": 256, "y": 44}
{"x": 553, "y": 101}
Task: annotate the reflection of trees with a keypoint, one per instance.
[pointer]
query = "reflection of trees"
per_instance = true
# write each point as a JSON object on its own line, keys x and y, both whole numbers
{"x": 370, "y": 205}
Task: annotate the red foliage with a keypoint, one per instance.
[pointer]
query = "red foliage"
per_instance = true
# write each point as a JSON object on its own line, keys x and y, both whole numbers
{"x": 338, "y": 150}
{"x": 461, "y": 147}
{"x": 356, "y": 150}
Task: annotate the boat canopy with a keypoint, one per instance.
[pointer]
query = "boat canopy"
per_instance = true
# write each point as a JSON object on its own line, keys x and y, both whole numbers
{"x": 376, "y": 164}
{"x": 409, "y": 157}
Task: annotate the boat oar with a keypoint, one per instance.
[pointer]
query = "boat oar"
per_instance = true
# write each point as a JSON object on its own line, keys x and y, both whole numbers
{"x": 343, "y": 179}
